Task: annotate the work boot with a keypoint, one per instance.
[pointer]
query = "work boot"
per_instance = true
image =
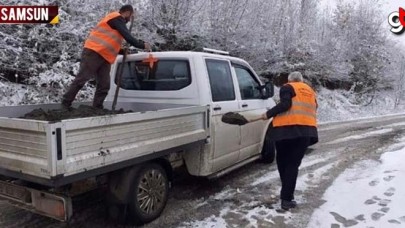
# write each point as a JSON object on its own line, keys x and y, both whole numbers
{"x": 288, "y": 204}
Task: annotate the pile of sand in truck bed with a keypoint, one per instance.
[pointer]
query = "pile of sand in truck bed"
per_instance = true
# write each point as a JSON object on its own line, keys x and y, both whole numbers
{"x": 59, "y": 114}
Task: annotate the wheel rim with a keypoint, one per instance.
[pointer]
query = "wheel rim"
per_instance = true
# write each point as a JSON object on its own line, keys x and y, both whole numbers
{"x": 151, "y": 191}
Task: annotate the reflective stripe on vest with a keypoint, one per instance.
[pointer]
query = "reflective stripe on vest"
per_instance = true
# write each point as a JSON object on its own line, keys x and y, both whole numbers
{"x": 303, "y": 108}
{"x": 112, "y": 35}
{"x": 104, "y": 40}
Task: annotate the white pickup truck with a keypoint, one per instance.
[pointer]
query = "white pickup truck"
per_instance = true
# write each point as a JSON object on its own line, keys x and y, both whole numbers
{"x": 177, "y": 99}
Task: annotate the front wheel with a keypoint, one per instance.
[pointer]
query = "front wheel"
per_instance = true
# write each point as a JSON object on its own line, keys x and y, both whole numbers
{"x": 149, "y": 193}
{"x": 269, "y": 150}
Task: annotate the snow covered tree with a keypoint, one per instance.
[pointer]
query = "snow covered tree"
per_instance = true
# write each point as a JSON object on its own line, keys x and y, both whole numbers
{"x": 364, "y": 46}
{"x": 335, "y": 49}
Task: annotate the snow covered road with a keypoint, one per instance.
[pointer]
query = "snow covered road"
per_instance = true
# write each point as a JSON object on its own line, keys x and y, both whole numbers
{"x": 353, "y": 177}
{"x": 369, "y": 194}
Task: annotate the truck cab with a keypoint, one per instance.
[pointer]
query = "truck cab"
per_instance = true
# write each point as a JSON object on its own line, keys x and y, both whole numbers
{"x": 211, "y": 78}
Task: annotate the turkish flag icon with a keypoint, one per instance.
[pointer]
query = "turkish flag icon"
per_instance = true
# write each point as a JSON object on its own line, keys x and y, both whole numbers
{"x": 402, "y": 16}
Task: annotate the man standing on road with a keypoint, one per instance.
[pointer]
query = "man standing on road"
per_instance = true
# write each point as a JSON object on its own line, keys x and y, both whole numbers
{"x": 100, "y": 50}
{"x": 294, "y": 129}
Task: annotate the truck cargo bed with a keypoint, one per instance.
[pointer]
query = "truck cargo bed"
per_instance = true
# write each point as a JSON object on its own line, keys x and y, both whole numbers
{"x": 57, "y": 153}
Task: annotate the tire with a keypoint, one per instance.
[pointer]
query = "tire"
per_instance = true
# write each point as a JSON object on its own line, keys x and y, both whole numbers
{"x": 117, "y": 213}
{"x": 268, "y": 150}
{"x": 148, "y": 194}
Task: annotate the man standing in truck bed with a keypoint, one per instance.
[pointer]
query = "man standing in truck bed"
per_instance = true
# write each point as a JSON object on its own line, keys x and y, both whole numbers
{"x": 100, "y": 50}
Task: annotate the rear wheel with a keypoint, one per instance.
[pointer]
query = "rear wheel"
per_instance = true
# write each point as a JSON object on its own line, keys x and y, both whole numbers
{"x": 149, "y": 193}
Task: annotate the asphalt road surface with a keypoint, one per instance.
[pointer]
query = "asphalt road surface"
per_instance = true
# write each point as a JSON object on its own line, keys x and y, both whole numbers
{"x": 247, "y": 197}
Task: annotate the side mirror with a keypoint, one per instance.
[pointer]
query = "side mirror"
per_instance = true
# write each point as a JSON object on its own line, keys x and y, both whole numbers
{"x": 267, "y": 90}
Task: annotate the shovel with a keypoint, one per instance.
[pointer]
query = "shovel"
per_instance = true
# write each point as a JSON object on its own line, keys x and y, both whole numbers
{"x": 237, "y": 119}
{"x": 119, "y": 75}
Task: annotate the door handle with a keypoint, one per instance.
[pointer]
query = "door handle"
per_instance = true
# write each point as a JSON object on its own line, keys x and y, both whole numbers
{"x": 217, "y": 108}
{"x": 245, "y": 106}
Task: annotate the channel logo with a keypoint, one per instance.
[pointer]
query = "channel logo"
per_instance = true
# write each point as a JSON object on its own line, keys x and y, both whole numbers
{"x": 29, "y": 14}
{"x": 397, "y": 21}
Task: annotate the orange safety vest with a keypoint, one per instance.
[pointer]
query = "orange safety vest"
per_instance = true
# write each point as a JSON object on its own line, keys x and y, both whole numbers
{"x": 104, "y": 40}
{"x": 303, "y": 108}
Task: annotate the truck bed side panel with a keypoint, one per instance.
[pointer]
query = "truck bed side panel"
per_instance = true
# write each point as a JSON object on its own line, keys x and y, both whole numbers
{"x": 92, "y": 144}
{"x": 54, "y": 150}
{"x": 24, "y": 147}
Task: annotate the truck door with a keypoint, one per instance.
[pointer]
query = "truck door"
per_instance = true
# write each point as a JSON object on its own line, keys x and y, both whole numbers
{"x": 251, "y": 105}
{"x": 226, "y": 137}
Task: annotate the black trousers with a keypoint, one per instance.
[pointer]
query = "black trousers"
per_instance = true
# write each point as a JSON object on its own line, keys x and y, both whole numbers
{"x": 289, "y": 156}
{"x": 95, "y": 66}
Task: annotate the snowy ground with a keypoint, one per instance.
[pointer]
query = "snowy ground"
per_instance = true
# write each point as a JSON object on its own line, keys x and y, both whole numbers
{"x": 12, "y": 94}
{"x": 338, "y": 105}
{"x": 269, "y": 214}
{"x": 370, "y": 194}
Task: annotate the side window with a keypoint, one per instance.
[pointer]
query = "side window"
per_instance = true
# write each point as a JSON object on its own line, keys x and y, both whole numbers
{"x": 221, "y": 83}
{"x": 248, "y": 85}
{"x": 165, "y": 75}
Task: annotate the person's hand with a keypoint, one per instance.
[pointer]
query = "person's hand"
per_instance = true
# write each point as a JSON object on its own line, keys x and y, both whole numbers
{"x": 264, "y": 116}
{"x": 122, "y": 51}
{"x": 148, "y": 47}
